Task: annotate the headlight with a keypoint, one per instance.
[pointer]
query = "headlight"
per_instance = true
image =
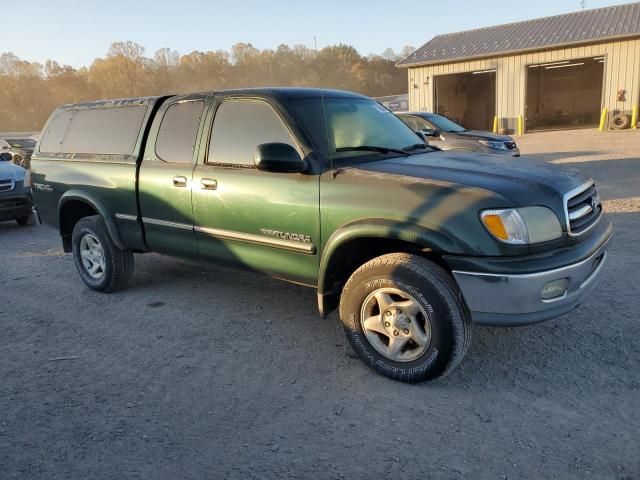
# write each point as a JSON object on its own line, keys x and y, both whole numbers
{"x": 494, "y": 145}
{"x": 522, "y": 226}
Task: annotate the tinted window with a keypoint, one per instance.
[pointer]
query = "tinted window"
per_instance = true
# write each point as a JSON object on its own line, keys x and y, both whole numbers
{"x": 27, "y": 143}
{"x": 411, "y": 123}
{"x": 56, "y": 130}
{"x": 178, "y": 131}
{"x": 444, "y": 124}
{"x": 238, "y": 129}
{"x": 107, "y": 131}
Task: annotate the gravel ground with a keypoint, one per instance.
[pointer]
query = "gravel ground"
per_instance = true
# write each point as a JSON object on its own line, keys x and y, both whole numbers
{"x": 203, "y": 372}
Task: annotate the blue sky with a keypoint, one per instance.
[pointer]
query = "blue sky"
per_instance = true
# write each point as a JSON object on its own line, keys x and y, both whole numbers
{"x": 75, "y": 32}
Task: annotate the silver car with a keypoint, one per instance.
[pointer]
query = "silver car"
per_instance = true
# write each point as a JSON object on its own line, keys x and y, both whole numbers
{"x": 446, "y": 134}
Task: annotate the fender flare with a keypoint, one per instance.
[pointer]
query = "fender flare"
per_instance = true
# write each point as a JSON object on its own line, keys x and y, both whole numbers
{"x": 424, "y": 237}
{"x": 95, "y": 202}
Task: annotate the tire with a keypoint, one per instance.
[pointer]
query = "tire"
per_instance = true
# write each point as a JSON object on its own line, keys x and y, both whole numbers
{"x": 104, "y": 268}
{"x": 434, "y": 329}
{"x": 620, "y": 121}
{"x": 27, "y": 220}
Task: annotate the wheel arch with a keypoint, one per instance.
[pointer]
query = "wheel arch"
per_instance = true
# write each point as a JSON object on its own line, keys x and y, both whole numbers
{"x": 75, "y": 205}
{"x": 355, "y": 244}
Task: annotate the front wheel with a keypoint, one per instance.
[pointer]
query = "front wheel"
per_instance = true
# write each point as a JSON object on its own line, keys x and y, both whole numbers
{"x": 405, "y": 317}
{"x": 101, "y": 264}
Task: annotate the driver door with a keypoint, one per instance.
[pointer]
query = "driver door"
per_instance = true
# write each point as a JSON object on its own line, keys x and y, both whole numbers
{"x": 263, "y": 221}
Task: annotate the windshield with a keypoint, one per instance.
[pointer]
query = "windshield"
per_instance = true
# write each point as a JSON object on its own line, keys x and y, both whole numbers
{"x": 352, "y": 122}
{"x": 22, "y": 143}
{"x": 444, "y": 124}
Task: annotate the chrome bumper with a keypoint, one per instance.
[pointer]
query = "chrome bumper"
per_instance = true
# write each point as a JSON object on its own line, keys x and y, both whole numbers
{"x": 513, "y": 300}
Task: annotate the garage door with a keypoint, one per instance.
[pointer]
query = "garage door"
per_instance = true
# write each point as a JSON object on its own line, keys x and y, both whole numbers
{"x": 467, "y": 98}
{"x": 564, "y": 94}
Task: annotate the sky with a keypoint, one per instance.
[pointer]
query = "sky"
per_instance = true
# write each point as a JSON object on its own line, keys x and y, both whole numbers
{"x": 75, "y": 32}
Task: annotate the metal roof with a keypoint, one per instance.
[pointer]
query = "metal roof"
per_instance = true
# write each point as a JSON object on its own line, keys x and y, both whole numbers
{"x": 571, "y": 28}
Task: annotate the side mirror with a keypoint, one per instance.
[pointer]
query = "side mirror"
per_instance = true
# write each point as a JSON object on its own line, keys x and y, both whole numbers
{"x": 279, "y": 158}
{"x": 5, "y": 157}
{"x": 429, "y": 132}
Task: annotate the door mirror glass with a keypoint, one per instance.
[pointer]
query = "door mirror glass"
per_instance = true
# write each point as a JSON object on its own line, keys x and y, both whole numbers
{"x": 429, "y": 132}
{"x": 279, "y": 158}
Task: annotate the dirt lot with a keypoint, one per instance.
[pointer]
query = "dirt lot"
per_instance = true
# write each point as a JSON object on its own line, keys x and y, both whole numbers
{"x": 204, "y": 372}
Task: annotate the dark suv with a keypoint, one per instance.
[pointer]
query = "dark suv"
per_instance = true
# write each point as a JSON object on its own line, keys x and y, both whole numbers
{"x": 20, "y": 150}
{"x": 446, "y": 134}
{"x": 15, "y": 193}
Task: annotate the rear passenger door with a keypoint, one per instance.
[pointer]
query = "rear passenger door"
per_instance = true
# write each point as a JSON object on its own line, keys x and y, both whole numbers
{"x": 264, "y": 221}
{"x": 165, "y": 180}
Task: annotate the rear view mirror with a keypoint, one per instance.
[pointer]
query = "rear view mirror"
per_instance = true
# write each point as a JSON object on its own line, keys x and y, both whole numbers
{"x": 5, "y": 157}
{"x": 279, "y": 158}
{"x": 429, "y": 132}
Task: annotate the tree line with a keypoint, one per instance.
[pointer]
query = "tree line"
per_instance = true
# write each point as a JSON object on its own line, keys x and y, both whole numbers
{"x": 30, "y": 91}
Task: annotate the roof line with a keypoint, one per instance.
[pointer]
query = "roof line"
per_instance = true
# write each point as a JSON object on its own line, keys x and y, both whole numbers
{"x": 533, "y": 20}
{"x": 502, "y": 53}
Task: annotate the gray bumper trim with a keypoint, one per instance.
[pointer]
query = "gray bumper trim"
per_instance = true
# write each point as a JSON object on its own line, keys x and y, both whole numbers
{"x": 512, "y": 300}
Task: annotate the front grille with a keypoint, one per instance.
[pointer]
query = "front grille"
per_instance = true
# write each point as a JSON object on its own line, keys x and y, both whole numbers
{"x": 510, "y": 145}
{"x": 583, "y": 209}
{"x": 6, "y": 185}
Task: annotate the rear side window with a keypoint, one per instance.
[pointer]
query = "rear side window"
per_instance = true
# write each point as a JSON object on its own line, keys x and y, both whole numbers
{"x": 52, "y": 138}
{"x": 102, "y": 131}
{"x": 240, "y": 126}
{"x": 178, "y": 130}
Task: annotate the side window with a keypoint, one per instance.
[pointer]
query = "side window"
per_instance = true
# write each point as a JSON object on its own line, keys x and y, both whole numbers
{"x": 421, "y": 124}
{"x": 57, "y": 129}
{"x": 240, "y": 126}
{"x": 411, "y": 123}
{"x": 178, "y": 130}
{"x": 104, "y": 131}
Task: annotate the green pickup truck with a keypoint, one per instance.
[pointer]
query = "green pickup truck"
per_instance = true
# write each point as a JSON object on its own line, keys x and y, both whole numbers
{"x": 330, "y": 190}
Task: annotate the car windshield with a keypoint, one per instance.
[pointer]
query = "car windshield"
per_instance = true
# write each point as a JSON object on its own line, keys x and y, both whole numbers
{"x": 344, "y": 127}
{"x": 444, "y": 124}
{"x": 22, "y": 143}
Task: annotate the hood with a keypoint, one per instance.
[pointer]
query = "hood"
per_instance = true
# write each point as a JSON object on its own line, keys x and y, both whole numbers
{"x": 525, "y": 182}
{"x": 479, "y": 135}
{"x": 9, "y": 171}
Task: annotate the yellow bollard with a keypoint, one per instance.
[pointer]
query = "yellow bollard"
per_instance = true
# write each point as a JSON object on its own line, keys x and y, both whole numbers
{"x": 634, "y": 117}
{"x": 603, "y": 119}
{"x": 495, "y": 124}
{"x": 520, "y": 125}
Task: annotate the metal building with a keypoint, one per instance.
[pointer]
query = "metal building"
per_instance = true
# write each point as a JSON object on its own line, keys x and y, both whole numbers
{"x": 568, "y": 71}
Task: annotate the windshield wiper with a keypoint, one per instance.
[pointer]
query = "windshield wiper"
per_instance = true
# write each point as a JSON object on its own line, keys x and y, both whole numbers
{"x": 421, "y": 145}
{"x": 371, "y": 148}
{"x": 415, "y": 146}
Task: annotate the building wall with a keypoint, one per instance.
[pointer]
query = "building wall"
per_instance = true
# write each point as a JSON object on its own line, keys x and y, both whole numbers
{"x": 621, "y": 72}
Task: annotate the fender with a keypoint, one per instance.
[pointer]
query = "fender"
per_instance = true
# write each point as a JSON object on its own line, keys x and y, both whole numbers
{"x": 424, "y": 237}
{"x": 92, "y": 200}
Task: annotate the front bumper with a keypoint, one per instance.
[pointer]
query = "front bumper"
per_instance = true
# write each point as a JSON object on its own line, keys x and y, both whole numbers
{"x": 15, "y": 206}
{"x": 499, "y": 299}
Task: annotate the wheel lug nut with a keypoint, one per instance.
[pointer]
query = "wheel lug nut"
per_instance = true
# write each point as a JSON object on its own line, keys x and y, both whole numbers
{"x": 406, "y": 331}
{"x": 408, "y": 320}
{"x": 388, "y": 314}
{"x": 387, "y": 324}
{"x": 396, "y": 333}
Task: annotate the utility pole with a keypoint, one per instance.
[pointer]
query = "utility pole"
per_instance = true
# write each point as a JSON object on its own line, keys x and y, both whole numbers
{"x": 583, "y": 4}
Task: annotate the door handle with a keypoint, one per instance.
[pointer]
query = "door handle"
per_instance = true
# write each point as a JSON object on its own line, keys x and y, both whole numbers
{"x": 179, "y": 181}
{"x": 208, "y": 184}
